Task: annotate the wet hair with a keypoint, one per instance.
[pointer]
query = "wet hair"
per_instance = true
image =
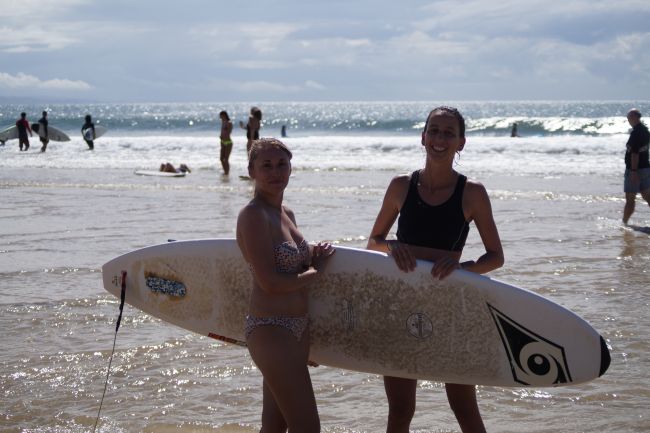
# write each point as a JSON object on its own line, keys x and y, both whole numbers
{"x": 263, "y": 144}
{"x": 449, "y": 111}
{"x": 256, "y": 113}
{"x": 88, "y": 118}
{"x": 44, "y": 113}
{"x": 23, "y": 114}
{"x": 634, "y": 112}
{"x": 224, "y": 113}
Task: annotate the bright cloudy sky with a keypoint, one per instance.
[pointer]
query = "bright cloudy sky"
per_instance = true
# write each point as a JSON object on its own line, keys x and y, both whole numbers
{"x": 311, "y": 50}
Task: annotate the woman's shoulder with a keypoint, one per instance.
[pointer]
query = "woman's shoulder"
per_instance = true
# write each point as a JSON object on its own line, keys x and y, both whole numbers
{"x": 401, "y": 179}
{"x": 475, "y": 190}
{"x": 252, "y": 213}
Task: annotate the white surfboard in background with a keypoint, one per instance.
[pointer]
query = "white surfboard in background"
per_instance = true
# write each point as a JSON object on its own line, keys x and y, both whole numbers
{"x": 53, "y": 133}
{"x": 87, "y": 134}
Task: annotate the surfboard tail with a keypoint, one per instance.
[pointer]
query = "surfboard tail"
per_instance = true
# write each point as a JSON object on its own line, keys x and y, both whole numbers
{"x": 605, "y": 357}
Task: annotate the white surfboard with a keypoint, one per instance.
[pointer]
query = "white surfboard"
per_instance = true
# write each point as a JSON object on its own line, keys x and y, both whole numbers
{"x": 159, "y": 173}
{"x": 9, "y": 133}
{"x": 367, "y": 316}
{"x": 87, "y": 134}
{"x": 53, "y": 133}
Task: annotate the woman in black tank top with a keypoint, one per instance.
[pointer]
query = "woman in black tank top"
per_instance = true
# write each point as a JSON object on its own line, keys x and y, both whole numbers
{"x": 435, "y": 206}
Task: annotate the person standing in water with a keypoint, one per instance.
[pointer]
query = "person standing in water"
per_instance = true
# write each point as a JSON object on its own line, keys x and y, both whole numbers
{"x": 45, "y": 139}
{"x": 88, "y": 132}
{"x": 283, "y": 265}
{"x": 434, "y": 207}
{"x": 252, "y": 127}
{"x": 637, "y": 165}
{"x": 23, "y": 128}
{"x": 514, "y": 132}
{"x": 226, "y": 141}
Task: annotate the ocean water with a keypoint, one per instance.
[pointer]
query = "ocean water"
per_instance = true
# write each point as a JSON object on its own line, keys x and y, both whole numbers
{"x": 557, "y": 199}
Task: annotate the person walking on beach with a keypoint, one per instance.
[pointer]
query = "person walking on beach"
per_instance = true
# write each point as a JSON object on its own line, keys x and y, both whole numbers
{"x": 283, "y": 264}
{"x": 45, "y": 138}
{"x": 434, "y": 207}
{"x": 252, "y": 127}
{"x": 226, "y": 141}
{"x": 637, "y": 166}
{"x": 23, "y": 128}
{"x": 88, "y": 132}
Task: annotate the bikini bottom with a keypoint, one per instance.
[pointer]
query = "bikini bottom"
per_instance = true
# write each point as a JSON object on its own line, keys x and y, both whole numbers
{"x": 296, "y": 325}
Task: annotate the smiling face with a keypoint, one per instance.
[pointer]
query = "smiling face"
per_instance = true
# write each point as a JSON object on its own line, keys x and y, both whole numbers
{"x": 442, "y": 137}
{"x": 270, "y": 168}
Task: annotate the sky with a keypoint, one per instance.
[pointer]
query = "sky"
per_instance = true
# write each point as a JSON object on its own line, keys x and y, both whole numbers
{"x": 324, "y": 50}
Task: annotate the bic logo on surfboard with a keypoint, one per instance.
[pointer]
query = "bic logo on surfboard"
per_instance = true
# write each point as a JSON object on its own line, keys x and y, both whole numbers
{"x": 533, "y": 359}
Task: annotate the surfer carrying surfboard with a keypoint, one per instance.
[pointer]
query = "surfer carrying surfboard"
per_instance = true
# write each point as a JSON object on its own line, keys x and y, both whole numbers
{"x": 45, "y": 139}
{"x": 283, "y": 264}
{"x": 433, "y": 207}
{"x": 88, "y": 132}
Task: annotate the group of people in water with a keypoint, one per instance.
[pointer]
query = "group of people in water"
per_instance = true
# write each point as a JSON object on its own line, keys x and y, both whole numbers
{"x": 433, "y": 206}
{"x": 25, "y": 131}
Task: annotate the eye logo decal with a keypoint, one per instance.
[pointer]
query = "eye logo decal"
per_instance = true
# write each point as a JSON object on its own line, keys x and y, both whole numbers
{"x": 534, "y": 360}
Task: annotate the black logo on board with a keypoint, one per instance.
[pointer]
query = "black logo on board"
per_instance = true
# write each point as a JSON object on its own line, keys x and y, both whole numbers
{"x": 419, "y": 325}
{"x": 534, "y": 360}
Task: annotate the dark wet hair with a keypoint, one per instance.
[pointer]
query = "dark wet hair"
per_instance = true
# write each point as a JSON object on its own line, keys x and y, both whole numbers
{"x": 23, "y": 114}
{"x": 224, "y": 113}
{"x": 634, "y": 112}
{"x": 44, "y": 113}
{"x": 450, "y": 111}
{"x": 88, "y": 118}
{"x": 263, "y": 144}
{"x": 256, "y": 113}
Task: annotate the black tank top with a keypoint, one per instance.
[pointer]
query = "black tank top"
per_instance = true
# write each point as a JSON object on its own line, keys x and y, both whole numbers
{"x": 442, "y": 227}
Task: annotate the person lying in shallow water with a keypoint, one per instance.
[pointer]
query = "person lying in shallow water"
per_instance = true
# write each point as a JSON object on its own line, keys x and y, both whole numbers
{"x": 169, "y": 168}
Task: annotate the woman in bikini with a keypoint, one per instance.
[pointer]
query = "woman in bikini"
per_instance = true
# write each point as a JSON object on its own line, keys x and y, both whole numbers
{"x": 435, "y": 206}
{"x": 252, "y": 127}
{"x": 226, "y": 141}
{"x": 283, "y": 264}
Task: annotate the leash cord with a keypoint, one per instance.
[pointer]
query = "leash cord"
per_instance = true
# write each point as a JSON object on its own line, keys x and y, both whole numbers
{"x": 110, "y": 359}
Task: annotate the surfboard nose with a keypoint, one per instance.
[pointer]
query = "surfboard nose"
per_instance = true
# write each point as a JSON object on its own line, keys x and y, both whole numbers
{"x": 605, "y": 358}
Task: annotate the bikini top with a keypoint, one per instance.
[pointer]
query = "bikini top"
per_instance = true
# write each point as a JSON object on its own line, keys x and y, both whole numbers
{"x": 290, "y": 257}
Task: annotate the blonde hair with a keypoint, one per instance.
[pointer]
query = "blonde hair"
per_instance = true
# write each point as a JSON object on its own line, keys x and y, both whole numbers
{"x": 263, "y": 144}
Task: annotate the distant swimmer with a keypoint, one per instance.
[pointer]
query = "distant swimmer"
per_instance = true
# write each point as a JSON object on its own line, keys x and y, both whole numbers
{"x": 252, "y": 127}
{"x": 226, "y": 141}
{"x": 513, "y": 132}
{"x": 45, "y": 138}
{"x": 88, "y": 132}
{"x": 166, "y": 167}
{"x": 637, "y": 164}
{"x": 23, "y": 127}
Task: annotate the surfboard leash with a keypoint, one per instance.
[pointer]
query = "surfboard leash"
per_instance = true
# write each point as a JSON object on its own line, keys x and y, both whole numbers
{"x": 110, "y": 359}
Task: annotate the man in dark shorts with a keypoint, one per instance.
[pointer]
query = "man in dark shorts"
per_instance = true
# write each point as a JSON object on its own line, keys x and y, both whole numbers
{"x": 45, "y": 138}
{"x": 23, "y": 128}
{"x": 637, "y": 164}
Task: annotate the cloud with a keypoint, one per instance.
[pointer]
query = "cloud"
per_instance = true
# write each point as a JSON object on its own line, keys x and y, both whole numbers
{"x": 34, "y": 38}
{"x": 25, "y": 81}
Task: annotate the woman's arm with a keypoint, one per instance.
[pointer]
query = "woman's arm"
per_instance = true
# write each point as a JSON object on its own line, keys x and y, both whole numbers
{"x": 390, "y": 207}
{"x": 478, "y": 208}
